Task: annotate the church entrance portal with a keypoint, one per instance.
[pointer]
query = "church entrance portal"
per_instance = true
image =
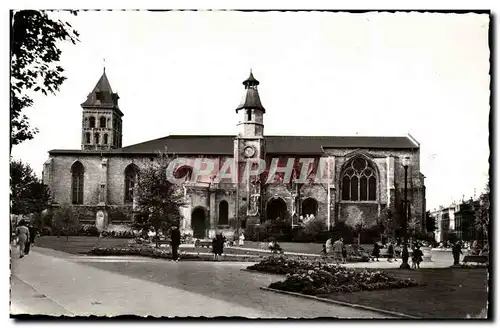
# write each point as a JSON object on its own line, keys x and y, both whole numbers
{"x": 198, "y": 222}
{"x": 276, "y": 209}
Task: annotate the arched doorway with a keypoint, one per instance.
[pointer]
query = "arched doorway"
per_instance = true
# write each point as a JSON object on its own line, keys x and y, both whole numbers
{"x": 276, "y": 209}
{"x": 309, "y": 206}
{"x": 198, "y": 222}
{"x": 223, "y": 213}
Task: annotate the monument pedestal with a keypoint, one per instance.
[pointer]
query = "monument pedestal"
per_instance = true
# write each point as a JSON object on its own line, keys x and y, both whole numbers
{"x": 253, "y": 220}
{"x": 101, "y": 217}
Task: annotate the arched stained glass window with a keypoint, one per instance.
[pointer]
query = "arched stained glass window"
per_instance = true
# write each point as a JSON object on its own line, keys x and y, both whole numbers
{"x": 359, "y": 182}
{"x": 131, "y": 175}
{"x": 77, "y": 173}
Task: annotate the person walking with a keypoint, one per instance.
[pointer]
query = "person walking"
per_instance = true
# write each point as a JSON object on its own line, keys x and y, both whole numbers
{"x": 23, "y": 236}
{"x": 376, "y": 251}
{"x": 390, "y": 252}
{"x": 241, "y": 240}
{"x": 175, "y": 241}
{"x": 417, "y": 256}
{"x": 344, "y": 253}
{"x": 456, "y": 250}
{"x": 337, "y": 249}
{"x": 217, "y": 246}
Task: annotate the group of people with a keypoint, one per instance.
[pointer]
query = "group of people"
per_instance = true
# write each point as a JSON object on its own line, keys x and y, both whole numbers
{"x": 25, "y": 237}
{"x": 336, "y": 248}
{"x": 394, "y": 250}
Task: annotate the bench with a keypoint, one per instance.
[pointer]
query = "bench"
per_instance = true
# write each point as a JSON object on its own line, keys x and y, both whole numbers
{"x": 203, "y": 243}
{"x": 475, "y": 259}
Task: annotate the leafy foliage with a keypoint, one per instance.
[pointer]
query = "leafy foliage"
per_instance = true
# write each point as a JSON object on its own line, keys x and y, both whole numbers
{"x": 28, "y": 193}
{"x": 482, "y": 214}
{"x": 359, "y": 223}
{"x": 158, "y": 200}
{"x": 430, "y": 223}
{"x": 34, "y": 53}
{"x": 65, "y": 221}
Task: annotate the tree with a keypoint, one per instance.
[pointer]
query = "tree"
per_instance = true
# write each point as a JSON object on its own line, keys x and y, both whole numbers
{"x": 34, "y": 53}
{"x": 159, "y": 201}
{"x": 65, "y": 221}
{"x": 388, "y": 221}
{"x": 28, "y": 193}
{"x": 430, "y": 222}
{"x": 358, "y": 222}
{"x": 482, "y": 213}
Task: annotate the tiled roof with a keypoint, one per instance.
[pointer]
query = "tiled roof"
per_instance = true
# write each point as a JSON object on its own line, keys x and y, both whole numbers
{"x": 285, "y": 145}
{"x": 251, "y": 100}
{"x": 102, "y": 95}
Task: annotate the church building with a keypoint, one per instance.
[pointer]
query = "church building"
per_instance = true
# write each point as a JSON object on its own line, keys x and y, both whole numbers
{"x": 366, "y": 174}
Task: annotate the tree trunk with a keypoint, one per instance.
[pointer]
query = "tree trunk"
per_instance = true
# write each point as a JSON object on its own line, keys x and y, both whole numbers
{"x": 157, "y": 238}
{"x": 67, "y": 237}
{"x": 359, "y": 238}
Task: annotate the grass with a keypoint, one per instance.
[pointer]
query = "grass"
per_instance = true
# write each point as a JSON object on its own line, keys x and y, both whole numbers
{"x": 79, "y": 244}
{"x": 446, "y": 293}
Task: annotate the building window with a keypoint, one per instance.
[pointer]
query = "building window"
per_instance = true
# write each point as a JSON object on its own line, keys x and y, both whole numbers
{"x": 359, "y": 182}
{"x": 105, "y": 140}
{"x": 102, "y": 122}
{"x": 223, "y": 213}
{"x": 77, "y": 171}
{"x": 92, "y": 122}
{"x": 96, "y": 138}
{"x": 249, "y": 114}
{"x": 131, "y": 176}
{"x": 87, "y": 138}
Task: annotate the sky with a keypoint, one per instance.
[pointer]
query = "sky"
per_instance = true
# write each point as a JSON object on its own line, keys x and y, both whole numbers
{"x": 385, "y": 74}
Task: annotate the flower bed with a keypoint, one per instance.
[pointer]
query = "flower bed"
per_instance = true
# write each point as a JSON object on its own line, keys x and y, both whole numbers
{"x": 470, "y": 266}
{"x": 314, "y": 278}
{"x": 149, "y": 251}
{"x": 138, "y": 251}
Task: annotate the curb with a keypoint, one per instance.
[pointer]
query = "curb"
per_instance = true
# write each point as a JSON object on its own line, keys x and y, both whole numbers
{"x": 263, "y": 272}
{"x": 356, "y": 306}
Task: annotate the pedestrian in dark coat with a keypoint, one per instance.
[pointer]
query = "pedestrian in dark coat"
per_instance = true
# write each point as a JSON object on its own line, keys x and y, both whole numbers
{"x": 456, "y": 251}
{"x": 218, "y": 246}
{"x": 376, "y": 251}
{"x": 175, "y": 241}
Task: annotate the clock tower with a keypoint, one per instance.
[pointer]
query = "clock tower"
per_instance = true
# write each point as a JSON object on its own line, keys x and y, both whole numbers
{"x": 249, "y": 146}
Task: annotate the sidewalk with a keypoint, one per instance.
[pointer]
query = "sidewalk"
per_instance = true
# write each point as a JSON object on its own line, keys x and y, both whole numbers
{"x": 55, "y": 283}
{"x": 71, "y": 288}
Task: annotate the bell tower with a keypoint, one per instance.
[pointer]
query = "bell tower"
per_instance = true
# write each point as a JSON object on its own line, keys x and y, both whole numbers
{"x": 249, "y": 146}
{"x": 101, "y": 118}
{"x": 250, "y": 111}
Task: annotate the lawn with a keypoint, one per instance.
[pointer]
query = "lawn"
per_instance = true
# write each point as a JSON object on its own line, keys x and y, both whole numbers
{"x": 79, "y": 244}
{"x": 83, "y": 244}
{"x": 446, "y": 293}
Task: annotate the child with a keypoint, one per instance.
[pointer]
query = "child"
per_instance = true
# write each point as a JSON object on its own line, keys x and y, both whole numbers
{"x": 344, "y": 254}
{"x": 323, "y": 251}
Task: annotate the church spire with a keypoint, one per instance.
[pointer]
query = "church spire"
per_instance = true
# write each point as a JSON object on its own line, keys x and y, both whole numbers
{"x": 251, "y": 98}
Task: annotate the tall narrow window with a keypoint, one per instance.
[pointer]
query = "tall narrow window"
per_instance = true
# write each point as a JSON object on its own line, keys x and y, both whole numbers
{"x": 105, "y": 139}
{"x": 96, "y": 138}
{"x": 102, "y": 122}
{"x": 87, "y": 137}
{"x": 77, "y": 175}
{"x": 359, "y": 182}
{"x": 131, "y": 176}
{"x": 92, "y": 122}
{"x": 249, "y": 114}
{"x": 223, "y": 213}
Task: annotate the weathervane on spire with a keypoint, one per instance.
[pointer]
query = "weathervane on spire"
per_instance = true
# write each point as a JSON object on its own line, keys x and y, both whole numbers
{"x": 104, "y": 64}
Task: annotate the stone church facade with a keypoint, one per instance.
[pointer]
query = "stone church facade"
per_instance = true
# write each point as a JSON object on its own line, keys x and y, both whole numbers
{"x": 366, "y": 174}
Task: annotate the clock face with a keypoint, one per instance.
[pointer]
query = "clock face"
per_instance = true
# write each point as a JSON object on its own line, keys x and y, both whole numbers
{"x": 249, "y": 151}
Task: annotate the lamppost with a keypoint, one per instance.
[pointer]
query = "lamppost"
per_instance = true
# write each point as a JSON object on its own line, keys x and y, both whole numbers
{"x": 405, "y": 254}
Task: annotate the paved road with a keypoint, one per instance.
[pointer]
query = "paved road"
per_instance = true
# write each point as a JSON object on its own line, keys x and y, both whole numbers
{"x": 56, "y": 283}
